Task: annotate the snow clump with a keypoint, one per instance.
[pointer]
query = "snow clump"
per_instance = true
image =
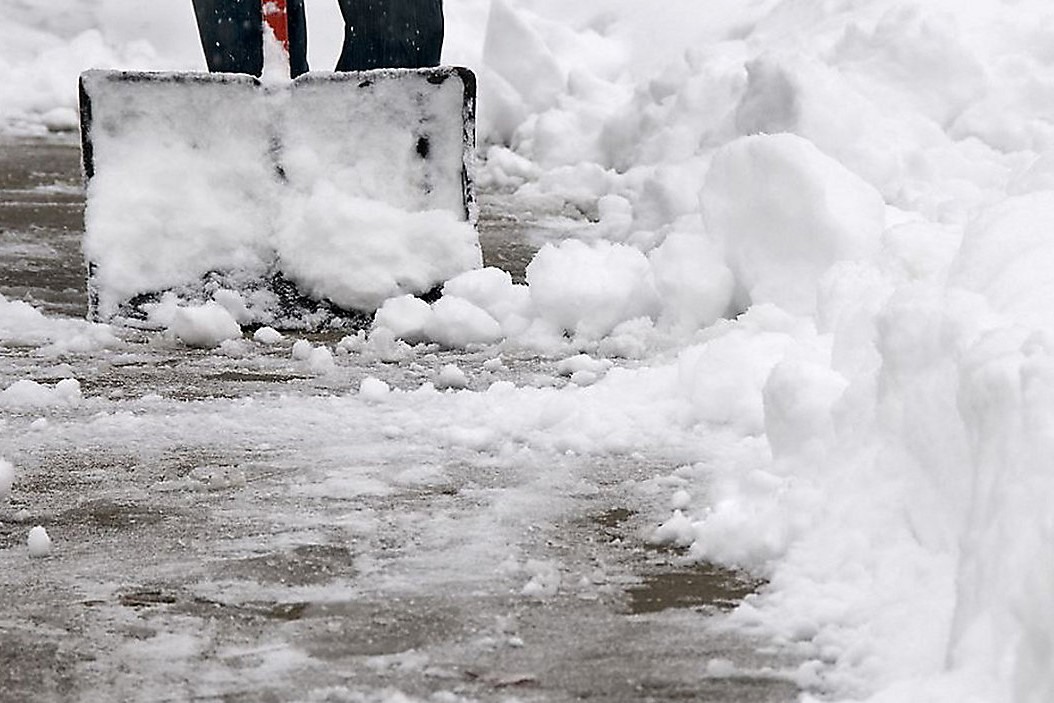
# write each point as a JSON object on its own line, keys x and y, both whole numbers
{"x": 22, "y": 325}
{"x": 205, "y": 326}
{"x": 39, "y": 542}
{"x": 30, "y": 395}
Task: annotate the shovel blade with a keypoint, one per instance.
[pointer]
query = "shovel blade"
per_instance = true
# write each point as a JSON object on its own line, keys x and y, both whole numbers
{"x": 312, "y": 199}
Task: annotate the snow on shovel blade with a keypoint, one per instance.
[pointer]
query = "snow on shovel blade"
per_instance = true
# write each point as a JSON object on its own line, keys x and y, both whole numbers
{"x": 312, "y": 199}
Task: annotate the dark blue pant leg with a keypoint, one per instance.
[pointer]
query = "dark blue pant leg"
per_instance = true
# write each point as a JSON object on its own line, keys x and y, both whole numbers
{"x": 297, "y": 38}
{"x": 391, "y": 34}
{"x": 232, "y": 38}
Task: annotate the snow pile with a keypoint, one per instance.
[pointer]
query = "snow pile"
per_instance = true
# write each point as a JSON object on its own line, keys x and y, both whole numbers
{"x": 890, "y": 380}
{"x": 586, "y": 292}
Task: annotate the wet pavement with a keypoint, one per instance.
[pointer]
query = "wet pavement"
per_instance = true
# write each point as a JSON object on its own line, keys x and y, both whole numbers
{"x": 197, "y": 559}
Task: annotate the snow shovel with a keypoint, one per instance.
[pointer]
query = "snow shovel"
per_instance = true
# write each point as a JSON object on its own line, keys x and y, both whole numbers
{"x": 294, "y": 203}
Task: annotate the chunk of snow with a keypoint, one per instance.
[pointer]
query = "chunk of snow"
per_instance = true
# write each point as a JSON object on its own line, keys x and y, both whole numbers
{"x": 373, "y": 389}
{"x": 588, "y": 289}
{"x": 317, "y": 358}
{"x": 679, "y": 531}
{"x": 680, "y": 500}
{"x": 406, "y": 316}
{"x": 693, "y": 281}
{"x": 23, "y": 325}
{"x": 204, "y": 326}
{"x": 492, "y": 290}
{"x": 451, "y": 376}
{"x": 582, "y": 363}
{"x": 544, "y": 582}
{"x": 301, "y": 350}
{"x": 457, "y": 323}
{"x": 391, "y": 251}
{"x": 268, "y": 335}
{"x": 39, "y": 542}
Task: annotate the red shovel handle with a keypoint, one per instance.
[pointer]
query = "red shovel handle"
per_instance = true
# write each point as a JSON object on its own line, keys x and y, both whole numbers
{"x": 277, "y": 18}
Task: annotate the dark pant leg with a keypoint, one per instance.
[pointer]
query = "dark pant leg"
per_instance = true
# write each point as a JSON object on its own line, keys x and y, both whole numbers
{"x": 232, "y": 36}
{"x": 391, "y": 34}
{"x": 297, "y": 38}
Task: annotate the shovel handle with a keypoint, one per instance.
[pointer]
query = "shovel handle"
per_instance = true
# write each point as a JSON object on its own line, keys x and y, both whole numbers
{"x": 276, "y": 16}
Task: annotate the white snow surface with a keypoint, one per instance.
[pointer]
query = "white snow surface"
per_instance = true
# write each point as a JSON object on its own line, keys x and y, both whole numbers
{"x": 823, "y": 230}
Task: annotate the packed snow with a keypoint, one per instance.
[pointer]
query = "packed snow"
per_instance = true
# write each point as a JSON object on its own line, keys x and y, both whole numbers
{"x": 816, "y": 232}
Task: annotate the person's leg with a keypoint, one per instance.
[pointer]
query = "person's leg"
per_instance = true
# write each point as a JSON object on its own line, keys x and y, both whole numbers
{"x": 391, "y": 34}
{"x": 297, "y": 38}
{"x": 230, "y": 35}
